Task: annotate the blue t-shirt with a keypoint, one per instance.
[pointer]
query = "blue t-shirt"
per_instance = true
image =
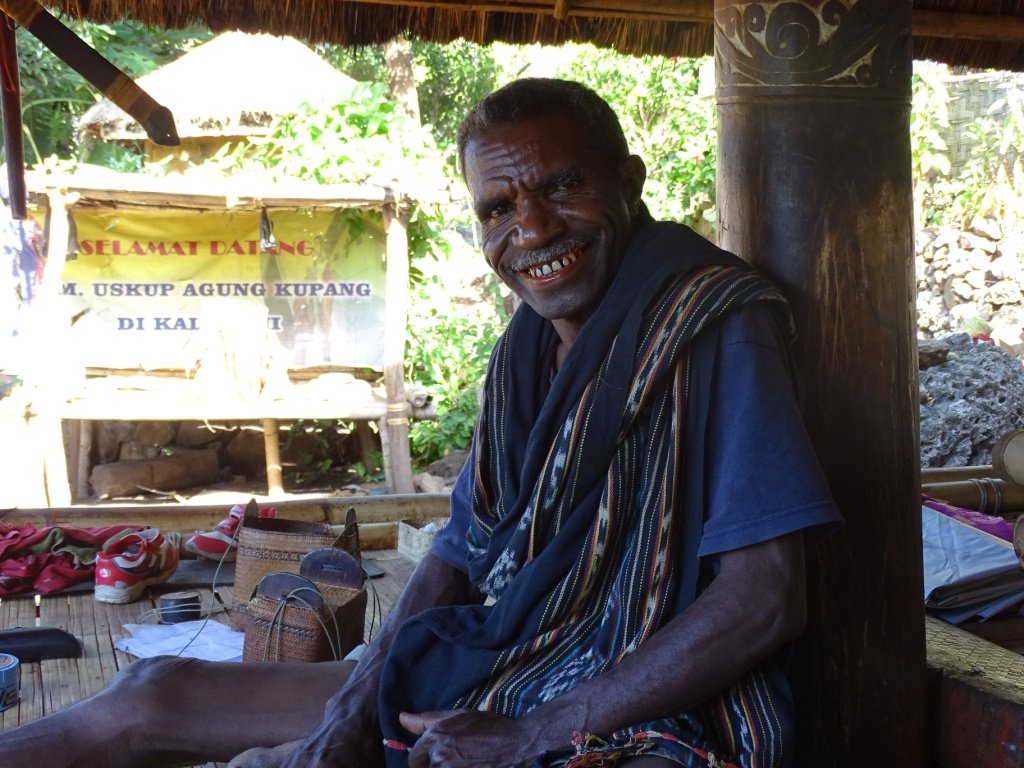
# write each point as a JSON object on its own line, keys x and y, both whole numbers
{"x": 763, "y": 479}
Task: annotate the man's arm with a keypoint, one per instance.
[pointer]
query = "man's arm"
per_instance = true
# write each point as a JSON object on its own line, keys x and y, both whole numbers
{"x": 349, "y": 734}
{"x": 755, "y": 604}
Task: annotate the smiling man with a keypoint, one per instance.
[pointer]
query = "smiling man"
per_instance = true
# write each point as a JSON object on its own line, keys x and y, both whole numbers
{"x": 623, "y": 572}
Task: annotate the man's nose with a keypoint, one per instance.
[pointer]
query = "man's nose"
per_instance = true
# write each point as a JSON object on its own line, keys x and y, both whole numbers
{"x": 537, "y": 224}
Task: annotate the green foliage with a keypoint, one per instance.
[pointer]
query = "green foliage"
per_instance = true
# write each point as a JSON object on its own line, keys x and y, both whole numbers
{"x": 447, "y": 352}
{"x": 450, "y": 78}
{"x": 665, "y": 121}
{"x": 928, "y": 150}
{"x": 990, "y": 182}
{"x": 307, "y": 442}
{"x": 362, "y": 139}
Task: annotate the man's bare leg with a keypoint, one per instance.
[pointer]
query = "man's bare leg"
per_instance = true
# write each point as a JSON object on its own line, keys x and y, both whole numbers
{"x": 168, "y": 710}
{"x": 265, "y": 757}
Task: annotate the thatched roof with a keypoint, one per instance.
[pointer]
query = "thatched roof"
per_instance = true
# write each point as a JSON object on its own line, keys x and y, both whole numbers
{"x": 971, "y": 33}
{"x": 232, "y": 85}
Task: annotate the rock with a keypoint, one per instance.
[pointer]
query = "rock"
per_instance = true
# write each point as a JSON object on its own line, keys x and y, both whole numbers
{"x": 972, "y": 242}
{"x": 448, "y": 467}
{"x": 976, "y": 279}
{"x": 986, "y": 226}
{"x": 962, "y": 289}
{"x": 428, "y": 483}
{"x": 158, "y": 433}
{"x": 192, "y": 434}
{"x": 970, "y": 401}
{"x": 134, "y": 451}
{"x": 247, "y": 454}
{"x": 1006, "y": 268}
{"x": 931, "y": 352}
{"x": 169, "y": 473}
{"x": 108, "y": 437}
{"x": 1004, "y": 292}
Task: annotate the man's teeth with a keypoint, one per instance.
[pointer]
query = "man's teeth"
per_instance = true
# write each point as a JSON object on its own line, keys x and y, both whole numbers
{"x": 552, "y": 266}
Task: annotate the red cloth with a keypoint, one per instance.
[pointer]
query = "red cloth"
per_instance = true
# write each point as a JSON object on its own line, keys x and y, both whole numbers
{"x": 51, "y": 558}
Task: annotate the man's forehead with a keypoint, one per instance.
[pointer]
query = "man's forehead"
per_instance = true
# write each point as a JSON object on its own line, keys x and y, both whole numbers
{"x": 527, "y": 147}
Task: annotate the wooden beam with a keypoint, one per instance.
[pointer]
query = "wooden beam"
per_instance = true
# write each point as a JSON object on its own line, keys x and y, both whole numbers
{"x": 384, "y": 512}
{"x": 1004, "y": 28}
{"x": 14, "y": 149}
{"x": 155, "y": 118}
{"x": 992, "y": 28}
{"x": 976, "y": 700}
{"x": 845, "y": 264}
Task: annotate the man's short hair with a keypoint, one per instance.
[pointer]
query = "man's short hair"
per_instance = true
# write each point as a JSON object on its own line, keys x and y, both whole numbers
{"x": 534, "y": 97}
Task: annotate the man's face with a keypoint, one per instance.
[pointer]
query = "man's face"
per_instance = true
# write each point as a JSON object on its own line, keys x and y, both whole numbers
{"x": 556, "y": 213}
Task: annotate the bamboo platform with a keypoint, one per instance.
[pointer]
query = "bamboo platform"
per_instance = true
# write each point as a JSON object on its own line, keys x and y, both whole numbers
{"x": 51, "y": 685}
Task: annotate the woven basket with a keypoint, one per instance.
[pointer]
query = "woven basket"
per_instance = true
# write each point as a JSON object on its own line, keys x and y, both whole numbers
{"x": 271, "y": 545}
{"x": 292, "y": 631}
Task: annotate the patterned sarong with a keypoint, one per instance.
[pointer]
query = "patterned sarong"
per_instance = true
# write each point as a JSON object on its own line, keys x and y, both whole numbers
{"x": 584, "y": 530}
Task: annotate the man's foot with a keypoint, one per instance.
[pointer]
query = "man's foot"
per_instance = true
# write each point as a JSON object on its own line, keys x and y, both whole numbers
{"x": 130, "y": 561}
{"x": 265, "y": 757}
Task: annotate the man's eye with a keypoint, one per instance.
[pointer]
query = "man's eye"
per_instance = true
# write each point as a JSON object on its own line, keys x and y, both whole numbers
{"x": 565, "y": 182}
{"x": 497, "y": 211}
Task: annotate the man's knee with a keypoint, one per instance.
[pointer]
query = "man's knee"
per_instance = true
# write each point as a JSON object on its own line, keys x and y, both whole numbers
{"x": 150, "y": 672}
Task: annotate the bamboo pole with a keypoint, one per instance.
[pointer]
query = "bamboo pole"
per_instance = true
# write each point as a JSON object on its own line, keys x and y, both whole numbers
{"x": 272, "y": 448}
{"x": 989, "y": 495}
{"x": 50, "y": 373}
{"x": 81, "y": 490}
{"x": 395, "y": 424}
{"x": 932, "y": 475}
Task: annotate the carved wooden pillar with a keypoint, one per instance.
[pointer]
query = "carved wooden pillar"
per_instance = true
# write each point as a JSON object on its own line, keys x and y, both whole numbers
{"x": 814, "y": 188}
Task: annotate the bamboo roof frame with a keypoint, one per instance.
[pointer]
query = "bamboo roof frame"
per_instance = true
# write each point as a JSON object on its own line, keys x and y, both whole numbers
{"x": 966, "y": 33}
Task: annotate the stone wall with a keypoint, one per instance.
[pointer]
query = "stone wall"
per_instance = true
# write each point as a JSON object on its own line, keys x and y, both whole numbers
{"x": 970, "y": 275}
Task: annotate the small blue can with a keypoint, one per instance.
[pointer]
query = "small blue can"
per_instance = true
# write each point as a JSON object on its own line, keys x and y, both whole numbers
{"x": 10, "y": 681}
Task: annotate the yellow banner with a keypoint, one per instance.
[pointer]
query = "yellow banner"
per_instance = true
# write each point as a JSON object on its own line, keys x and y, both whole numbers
{"x": 158, "y": 289}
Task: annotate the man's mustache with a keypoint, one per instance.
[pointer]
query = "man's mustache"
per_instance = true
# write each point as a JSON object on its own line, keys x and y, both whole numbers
{"x": 548, "y": 253}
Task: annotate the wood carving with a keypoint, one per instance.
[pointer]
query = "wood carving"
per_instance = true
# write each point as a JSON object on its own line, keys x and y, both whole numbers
{"x": 834, "y": 44}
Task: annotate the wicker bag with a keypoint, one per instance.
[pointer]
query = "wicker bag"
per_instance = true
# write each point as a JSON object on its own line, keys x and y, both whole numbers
{"x": 301, "y": 629}
{"x": 272, "y": 545}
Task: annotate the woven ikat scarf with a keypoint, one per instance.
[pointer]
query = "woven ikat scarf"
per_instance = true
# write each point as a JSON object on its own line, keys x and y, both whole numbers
{"x": 580, "y": 513}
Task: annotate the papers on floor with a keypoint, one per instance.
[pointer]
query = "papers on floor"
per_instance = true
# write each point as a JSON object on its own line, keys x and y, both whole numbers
{"x": 202, "y": 639}
{"x": 968, "y": 573}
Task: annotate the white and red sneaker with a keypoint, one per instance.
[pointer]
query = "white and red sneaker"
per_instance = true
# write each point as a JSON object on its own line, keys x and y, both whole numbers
{"x": 130, "y": 561}
{"x": 222, "y": 542}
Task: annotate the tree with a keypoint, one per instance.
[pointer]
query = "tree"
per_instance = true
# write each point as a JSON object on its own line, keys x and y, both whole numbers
{"x": 667, "y": 122}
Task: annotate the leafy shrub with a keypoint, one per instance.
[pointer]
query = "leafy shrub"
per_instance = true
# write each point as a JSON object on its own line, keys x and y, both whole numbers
{"x": 447, "y": 352}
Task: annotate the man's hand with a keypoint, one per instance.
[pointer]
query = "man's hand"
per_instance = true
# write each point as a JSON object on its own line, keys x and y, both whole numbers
{"x": 472, "y": 739}
{"x": 348, "y": 736}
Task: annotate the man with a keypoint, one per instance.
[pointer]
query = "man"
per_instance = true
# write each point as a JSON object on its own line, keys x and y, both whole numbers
{"x": 633, "y": 509}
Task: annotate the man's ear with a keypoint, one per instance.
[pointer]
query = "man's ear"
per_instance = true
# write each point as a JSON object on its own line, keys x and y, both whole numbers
{"x": 634, "y": 174}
